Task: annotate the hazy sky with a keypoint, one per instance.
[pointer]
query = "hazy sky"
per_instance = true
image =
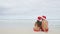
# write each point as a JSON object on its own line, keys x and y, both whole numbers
{"x": 17, "y": 9}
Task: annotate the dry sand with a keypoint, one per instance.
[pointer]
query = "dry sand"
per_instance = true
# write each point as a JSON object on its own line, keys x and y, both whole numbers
{"x": 26, "y": 31}
{"x": 20, "y": 27}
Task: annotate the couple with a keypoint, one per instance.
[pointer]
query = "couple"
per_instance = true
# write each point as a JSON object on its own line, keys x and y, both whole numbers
{"x": 41, "y": 24}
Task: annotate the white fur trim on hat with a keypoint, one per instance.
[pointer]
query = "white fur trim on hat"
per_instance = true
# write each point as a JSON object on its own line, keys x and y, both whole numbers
{"x": 42, "y": 17}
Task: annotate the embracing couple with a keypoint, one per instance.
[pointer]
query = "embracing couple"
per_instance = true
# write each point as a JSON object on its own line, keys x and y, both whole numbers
{"x": 41, "y": 24}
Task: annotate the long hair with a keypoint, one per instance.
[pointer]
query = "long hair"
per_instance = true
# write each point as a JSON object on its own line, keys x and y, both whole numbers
{"x": 39, "y": 23}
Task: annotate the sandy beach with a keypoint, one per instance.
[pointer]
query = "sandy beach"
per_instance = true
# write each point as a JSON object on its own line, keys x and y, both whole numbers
{"x": 25, "y": 27}
{"x": 19, "y": 16}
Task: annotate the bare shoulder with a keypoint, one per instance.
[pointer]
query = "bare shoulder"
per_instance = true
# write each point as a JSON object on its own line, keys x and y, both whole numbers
{"x": 45, "y": 21}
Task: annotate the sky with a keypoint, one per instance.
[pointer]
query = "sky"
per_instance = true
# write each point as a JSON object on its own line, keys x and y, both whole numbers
{"x": 29, "y": 9}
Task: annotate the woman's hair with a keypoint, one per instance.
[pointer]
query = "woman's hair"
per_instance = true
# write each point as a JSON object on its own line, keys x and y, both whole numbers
{"x": 39, "y": 23}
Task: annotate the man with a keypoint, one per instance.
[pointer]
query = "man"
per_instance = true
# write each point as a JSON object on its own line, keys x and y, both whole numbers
{"x": 44, "y": 24}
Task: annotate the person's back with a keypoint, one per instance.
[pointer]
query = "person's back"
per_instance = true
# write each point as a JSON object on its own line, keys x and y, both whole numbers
{"x": 38, "y": 24}
{"x": 44, "y": 24}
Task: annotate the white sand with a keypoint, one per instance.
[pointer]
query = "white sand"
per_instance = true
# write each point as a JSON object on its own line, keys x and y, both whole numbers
{"x": 25, "y": 31}
{"x": 23, "y": 27}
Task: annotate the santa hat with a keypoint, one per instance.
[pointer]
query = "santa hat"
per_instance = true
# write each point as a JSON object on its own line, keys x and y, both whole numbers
{"x": 39, "y": 18}
{"x": 43, "y": 17}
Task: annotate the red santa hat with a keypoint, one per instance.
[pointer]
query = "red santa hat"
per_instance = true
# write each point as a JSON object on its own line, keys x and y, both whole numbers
{"x": 43, "y": 17}
{"x": 39, "y": 18}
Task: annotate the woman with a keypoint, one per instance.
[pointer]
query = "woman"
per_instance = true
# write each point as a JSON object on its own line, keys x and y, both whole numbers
{"x": 38, "y": 24}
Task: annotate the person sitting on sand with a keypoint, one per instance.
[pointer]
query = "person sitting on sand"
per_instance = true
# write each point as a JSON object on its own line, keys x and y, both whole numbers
{"x": 38, "y": 24}
{"x": 41, "y": 24}
{"x": 44, "y": 24}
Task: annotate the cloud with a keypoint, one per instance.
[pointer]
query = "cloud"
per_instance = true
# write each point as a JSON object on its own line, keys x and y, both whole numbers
{"x": 13, "y": 8}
